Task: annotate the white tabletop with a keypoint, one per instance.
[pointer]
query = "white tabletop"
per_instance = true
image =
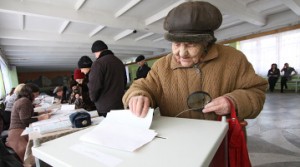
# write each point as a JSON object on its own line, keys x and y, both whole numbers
{"x": 189, "y": 142}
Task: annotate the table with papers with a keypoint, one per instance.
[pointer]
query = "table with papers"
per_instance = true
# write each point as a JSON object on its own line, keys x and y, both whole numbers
{"x": 57, "y": 126}
{"x": 179, "y": 142}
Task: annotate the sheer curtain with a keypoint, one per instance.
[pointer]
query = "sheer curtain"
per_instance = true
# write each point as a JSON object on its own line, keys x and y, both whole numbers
{"x": 5, "y": 82}
{"x": 277, "y": 48}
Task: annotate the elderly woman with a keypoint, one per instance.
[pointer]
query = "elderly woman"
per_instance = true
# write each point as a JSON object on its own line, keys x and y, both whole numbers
{"x": 21, "y": 117}
{"x": 198, "y": 64}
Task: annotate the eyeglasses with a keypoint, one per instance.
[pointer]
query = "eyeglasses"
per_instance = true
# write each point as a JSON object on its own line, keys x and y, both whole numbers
{"x": 196, "y": 101}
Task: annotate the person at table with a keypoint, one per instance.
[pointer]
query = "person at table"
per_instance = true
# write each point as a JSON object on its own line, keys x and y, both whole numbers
{"x": 197, "y": 63}
{"x": 81, "y": 94}
{"x": 273, "y": 75}
{"x": 9, "y": 102}
{"x": 11, "y": 92}
{"x": 60, "y": 95}
{"x": 73, "y": 87}
{"x": 21, "y": 116}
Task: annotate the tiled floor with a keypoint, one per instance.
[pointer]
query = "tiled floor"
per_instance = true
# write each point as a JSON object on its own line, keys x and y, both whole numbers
{"x": 274, "y": 136}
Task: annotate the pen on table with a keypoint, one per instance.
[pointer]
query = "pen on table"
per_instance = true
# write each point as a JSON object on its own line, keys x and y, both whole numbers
{"x": 160, "y": 137}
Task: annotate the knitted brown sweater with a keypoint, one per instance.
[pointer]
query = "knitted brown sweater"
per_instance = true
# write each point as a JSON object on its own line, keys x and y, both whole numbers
{"x": 22, "y": 112}
{"x": 224, "y": 71}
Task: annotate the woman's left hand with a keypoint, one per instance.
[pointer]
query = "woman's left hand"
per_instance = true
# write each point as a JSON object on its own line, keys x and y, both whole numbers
{"x": 220, "y": 106}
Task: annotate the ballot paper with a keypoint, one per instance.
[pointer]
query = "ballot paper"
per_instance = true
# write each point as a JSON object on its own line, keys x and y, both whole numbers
{"x": 67, "y": 107}
{"x": 59, "y": 120}
{"x": 52, "y": 125}
{"x": 122, "y": 130}
{"x": 47, "y": 107}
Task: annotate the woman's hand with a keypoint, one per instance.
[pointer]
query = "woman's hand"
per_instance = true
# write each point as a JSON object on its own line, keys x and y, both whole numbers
{"x": 139, "y": 105}
{"x": 45, "y": 111}
{"x": 220, "y": 106}
{"x": 44, "y": 116}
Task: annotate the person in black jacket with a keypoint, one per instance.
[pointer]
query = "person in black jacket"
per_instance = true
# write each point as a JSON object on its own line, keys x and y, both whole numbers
{"x": 273, "y": 75}
{"x": 107, "y": 79}
{"x": 143, "y": 69}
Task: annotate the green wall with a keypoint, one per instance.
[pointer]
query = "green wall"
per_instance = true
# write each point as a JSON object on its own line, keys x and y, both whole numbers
{"x": 133, "y": 68}
{"x": 2, "y": 90}
{"x": 12, "y": 79}
{"x": 13, "y": 76}
{"x": 235, "y": 45}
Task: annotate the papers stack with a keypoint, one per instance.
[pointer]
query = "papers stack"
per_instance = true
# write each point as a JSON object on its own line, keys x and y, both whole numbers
{"x": 58, "y": 121}
{"x": 45, "y": 103}
{"x": 52, "y": 125}
{"x": 122, "y": 130}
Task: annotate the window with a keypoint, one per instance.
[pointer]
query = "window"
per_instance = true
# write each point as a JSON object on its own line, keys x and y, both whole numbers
{"x": 277, "y": 48}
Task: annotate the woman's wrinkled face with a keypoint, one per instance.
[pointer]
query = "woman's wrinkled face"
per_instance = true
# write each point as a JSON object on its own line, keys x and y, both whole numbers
{"x": 187, "y": 54}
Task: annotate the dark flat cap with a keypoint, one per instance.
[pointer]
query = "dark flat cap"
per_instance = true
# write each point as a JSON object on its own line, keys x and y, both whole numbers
{"x": 192, "y": 22}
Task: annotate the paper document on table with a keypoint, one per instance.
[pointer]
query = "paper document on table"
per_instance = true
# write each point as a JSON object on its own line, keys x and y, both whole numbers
{"x": 122, "y": 130}
{"x": 49, "y": 99}
{"x": 67, "y": 107}
{"x": 52, "y": 125}
{"x": 46, "y": 106}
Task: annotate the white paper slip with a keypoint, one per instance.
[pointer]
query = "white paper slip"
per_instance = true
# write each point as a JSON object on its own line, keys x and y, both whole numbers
{"x": 48, "y": 99}
{"x": 126, "y": 117}
{"x": 122, "y": 130}
{"x": 46, "y": 106}
{"x": 93, "y": 113}
{"x": 67, "y": 107}
{"x": 51, "y": 125}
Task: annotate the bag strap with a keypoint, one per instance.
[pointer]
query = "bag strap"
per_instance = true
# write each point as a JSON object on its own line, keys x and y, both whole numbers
{"x": 232, "y": 110}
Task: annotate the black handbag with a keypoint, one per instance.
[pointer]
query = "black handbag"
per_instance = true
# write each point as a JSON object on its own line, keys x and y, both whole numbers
{"x": 80, "y": 119}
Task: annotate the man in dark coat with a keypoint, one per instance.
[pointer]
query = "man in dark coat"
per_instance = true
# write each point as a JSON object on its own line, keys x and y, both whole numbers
{"x": 143, "y": 69}
{"x": 106, "y": 79}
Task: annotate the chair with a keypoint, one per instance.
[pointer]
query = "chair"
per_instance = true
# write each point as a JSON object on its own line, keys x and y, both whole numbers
{"x": 4, "y": 135}
{"x": 5, "y": 116}
{"x": 8, "y": 157}
{"x": 3, "y": 130}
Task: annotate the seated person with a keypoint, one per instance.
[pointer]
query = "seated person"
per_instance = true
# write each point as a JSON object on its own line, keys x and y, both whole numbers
{"x": 9, "y": 102}
{"x": 60, "y": 95}
{"x": 78, "y": 101}
{"x": 21, "y": 117}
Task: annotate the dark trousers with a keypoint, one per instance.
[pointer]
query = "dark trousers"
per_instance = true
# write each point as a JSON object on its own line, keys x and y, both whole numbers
{"x": 5, "y": 115}
{"x": 272, "y": 83}
{"x": 283, "y": 83}
{"x": 6, "y": 120}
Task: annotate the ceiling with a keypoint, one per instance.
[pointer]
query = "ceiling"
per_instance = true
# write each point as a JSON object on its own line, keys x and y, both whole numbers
{"x": 51, "y": 35}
